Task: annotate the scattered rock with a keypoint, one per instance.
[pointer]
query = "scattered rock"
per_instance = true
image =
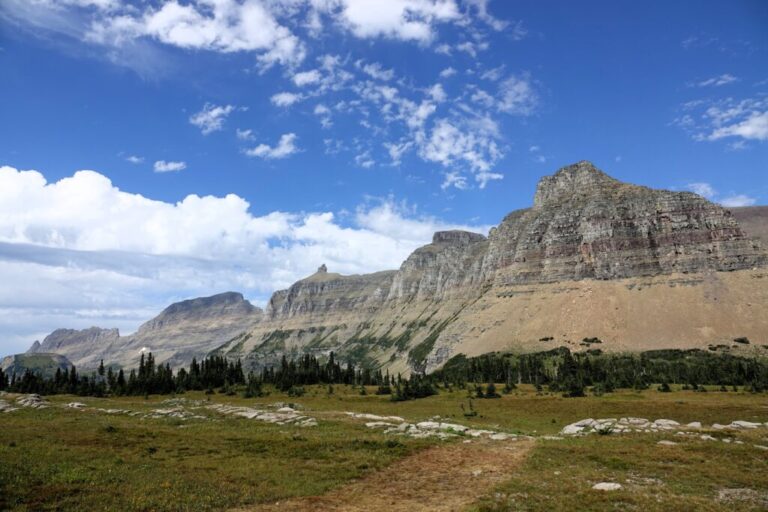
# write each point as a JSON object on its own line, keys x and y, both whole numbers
{"x": 606, "y": 486}
{"x": 374, "y": 417}
{"x": 667, "y": 443}
{"x": 33, "y": 401}
{"x": 75, "y": 405}
{"x": 745, "y": 424}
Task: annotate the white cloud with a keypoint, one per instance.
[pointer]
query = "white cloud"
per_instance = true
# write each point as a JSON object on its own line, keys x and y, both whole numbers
{"x": 221, "y": 25}
{"x": 708, "y": 120}
{"x": 495, "y": 23}
{"x": 473, "y": 145}
{"x": 738, "y": 200}
{"x": 754, "y": 127}
{"x": 375, "y": 70}
{"x": 703, "y": 189}
{"x": 134, "y": 159}
{"x": 517, "y": 96}
{"x": 717, "y": 81}
{"x": 285, "y": 99}
{"x": 534, "y": 149}
{"x": 364, "y": 160}
{"x": 324, "y": 113}
{"x": 396, "y": 151}
{"x": 408, "y": 20}
{"x": 211, "y": 117}
{"x": 447, "y": 72}
{"x": 306, "y": 77}
{"x": 286, "y": 146}
{"x": 81, "y": 252}
{"x": 437, "y": 93}
{"x": 163, "y": 166}
{"x": 245, "y": 134}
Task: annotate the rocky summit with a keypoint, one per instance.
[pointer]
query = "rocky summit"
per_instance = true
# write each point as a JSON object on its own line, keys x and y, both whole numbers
{"x": 593, "y": 263}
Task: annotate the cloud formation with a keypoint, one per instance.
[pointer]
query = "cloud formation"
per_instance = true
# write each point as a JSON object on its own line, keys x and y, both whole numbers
{"x": 211, "y": 118}
{"x": 285, "y": 147}
{"x": 163, "y": 166}
{"x": 81, "y": 252}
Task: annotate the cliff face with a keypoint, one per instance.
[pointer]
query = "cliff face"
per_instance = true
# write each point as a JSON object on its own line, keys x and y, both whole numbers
{"x": 468, "y": 293}
{"x": 80, "y": 345}
{"x": 182, "y": 331}
{"x": 586, "y": 225}
{"x": 593, "y": 257}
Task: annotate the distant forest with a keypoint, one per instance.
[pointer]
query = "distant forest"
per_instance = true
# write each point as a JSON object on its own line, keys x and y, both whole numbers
{"x": 559, "y": 370}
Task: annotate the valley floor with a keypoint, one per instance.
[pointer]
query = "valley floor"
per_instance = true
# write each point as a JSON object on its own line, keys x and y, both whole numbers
{"x": 217, "y": 452}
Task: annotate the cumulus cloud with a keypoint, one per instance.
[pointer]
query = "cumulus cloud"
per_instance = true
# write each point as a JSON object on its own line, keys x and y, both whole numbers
{"x": 754, "y": 127}
{"x": 163, "y": 166}
{"x": 306, "y": 77}
{"x": 447, "y": 72}
{"x": 211, "y": 117}
{"x": 285, "y": 147}
{"x": 81, "y": 252}
{"x": 407, "y": 20}
{"x": 285, "y": 99}
{"x": 375, "y": 70}
{"x": 134, "y": 159}
{"x": 223, "y": 26}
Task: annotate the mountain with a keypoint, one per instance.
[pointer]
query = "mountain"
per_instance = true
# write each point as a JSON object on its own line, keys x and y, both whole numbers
{"x": 593, "y": 263}
{"x": 180, "y": 332}
{"x": 594, "y": 258}
{"x": 45, "y": 364}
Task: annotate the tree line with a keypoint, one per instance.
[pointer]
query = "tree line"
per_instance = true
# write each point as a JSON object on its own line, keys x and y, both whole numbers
{"x": 558, "y": 369}
{"x": 570, "y": 373}
{"x": 216, "y": 372}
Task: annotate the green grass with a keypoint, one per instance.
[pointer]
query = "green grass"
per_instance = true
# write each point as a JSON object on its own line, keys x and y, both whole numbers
{"x": 558, "y": 475}
{"x": 57, "y": 459}
{"x": 62, "y": 459}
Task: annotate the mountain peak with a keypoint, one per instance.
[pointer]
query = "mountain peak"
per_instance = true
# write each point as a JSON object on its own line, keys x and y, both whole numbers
{"x": 579, "y": 178}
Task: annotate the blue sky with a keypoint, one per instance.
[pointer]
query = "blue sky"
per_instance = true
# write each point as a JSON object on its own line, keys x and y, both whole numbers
{"x": 238, "y": 144}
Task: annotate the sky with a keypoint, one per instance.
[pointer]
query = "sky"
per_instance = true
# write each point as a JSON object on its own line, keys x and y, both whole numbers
{"x": 153, "y": 151}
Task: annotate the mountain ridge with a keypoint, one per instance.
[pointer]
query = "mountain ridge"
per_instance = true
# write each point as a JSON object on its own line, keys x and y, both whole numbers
{"x": 586, "y": 231}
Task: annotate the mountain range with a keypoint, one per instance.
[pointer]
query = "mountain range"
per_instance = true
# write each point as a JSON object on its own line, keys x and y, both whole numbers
{"x": 594, "y": 263}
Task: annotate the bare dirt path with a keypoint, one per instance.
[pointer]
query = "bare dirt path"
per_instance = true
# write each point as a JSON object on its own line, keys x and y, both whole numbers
{"x": 443, "y": 478}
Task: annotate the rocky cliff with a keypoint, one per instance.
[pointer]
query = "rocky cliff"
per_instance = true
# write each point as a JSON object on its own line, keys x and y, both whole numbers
{"x": 183, "y": 330}
{"x": 593, "y": 258}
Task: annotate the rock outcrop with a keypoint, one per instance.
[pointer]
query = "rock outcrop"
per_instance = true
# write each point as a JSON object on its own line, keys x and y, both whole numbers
{"x": 592, "y": 258}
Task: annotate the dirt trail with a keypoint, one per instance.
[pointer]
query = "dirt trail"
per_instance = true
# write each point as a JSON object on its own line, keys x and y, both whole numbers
{"x": 444, "y": 478}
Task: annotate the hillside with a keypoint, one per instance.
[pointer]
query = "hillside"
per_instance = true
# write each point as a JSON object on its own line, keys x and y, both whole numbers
{"x": 625, "y": 266}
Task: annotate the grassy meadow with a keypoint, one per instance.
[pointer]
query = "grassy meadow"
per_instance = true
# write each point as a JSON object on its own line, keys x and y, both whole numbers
{"x": 69, "y": 459}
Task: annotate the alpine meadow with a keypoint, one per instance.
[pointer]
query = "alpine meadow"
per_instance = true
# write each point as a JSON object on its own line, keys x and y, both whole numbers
{"x": 383, "y": 255}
